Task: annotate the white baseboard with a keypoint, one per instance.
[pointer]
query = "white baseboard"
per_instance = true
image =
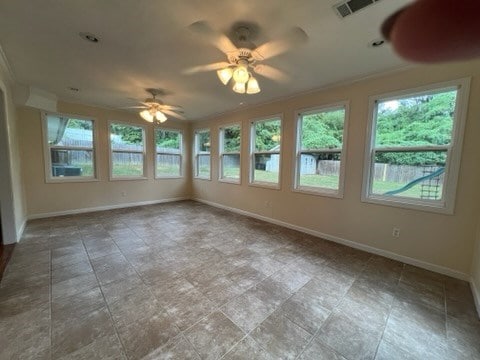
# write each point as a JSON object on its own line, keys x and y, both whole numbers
{"x": 103, "y": 208}
{"x": 476, "y": 294}
{"x": 405, "y": 259}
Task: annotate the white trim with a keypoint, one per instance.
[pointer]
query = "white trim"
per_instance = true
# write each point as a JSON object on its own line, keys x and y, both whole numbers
{"x": 7, "y": 203}
{"x": 196, "y": 153}
{"x": 47, "y": 159}
{"x": 476, "y": 294}
{"x": 370, "y": 249}
{"x": 103, "y": 208}
{"x": 452, "y": 167}
{"x": 155, "y": 153}
{"x": 252, "y": 152}
{"x": 144, "y": 176}
{"x": 221, "y": 153}
{"x": 317, "y": 190}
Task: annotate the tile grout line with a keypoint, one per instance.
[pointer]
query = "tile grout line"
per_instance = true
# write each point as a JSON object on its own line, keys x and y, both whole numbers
{"x": 389, "y": 313}
{"x": 106, "y": 304}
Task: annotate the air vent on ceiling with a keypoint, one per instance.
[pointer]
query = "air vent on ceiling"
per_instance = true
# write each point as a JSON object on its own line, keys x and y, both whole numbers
{"x": 350, "y": 7}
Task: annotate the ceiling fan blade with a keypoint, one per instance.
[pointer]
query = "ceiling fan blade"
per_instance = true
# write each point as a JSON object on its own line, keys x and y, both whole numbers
{"x": 270, "y": 72}
{"x": 171, "y": 107}
{"x": 273, "y": 48}
{"x": 174, "y": 114}
{"x": 134, "y": 107}
{"x": 208, "y": 67}
{"x": 219, "y": 40}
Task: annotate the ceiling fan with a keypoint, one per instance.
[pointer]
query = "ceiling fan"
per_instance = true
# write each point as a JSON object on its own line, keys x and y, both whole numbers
{"x": 242, "y": 60}
{"x": 154, "y": 110}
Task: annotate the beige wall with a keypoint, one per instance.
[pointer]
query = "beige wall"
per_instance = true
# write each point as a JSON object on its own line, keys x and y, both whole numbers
{"x": 442, "y": 240}
{"x": 47, "y": 198}
{"x": 15, "y": 184}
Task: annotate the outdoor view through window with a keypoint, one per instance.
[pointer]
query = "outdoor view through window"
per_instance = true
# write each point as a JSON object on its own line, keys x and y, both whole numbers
{"x": 319, "y": 149}
{"x": 413, "y": 136}
{"x": 266, "y": 140}
{"x": 70, "y": 144}
{"x": 168, "y": 147}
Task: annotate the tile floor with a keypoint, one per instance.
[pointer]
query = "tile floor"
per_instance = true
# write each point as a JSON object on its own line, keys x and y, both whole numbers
{"x": 188, "y": 281}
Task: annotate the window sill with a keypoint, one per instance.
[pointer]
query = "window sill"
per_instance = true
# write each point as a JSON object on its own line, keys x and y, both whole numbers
{"x": 168, "y": 177}
{"x": 265, "y": 185}
{"x": 230, "y": 181}
{"x": 70, "y": 179}
{"x": 128, "y": 178}
{"x": 202, "y": 178}
{"x": 411, "y": 204}
{"x": 319, "y": 192}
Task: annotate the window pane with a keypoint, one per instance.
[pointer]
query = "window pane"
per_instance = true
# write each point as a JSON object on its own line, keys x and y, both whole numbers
{"x": 320, "y": 170}
{"x": 126, "y": 137}
{"x": 168, "y": 165}
{"x": 127, "y": 164}
{"x": 418, "y": 175}
{"x": 203, "y": 166}
{"x": 267, "y": 135}
{"x": 231, "y": 166}
{"x": 167, "y": 141}
{"x": 267, "y": 168}
{"x": 323, "y": 130}
{"x": 203, "y": 141}
{"x": 231, "y": 139}
{"x": 63, "y": 131}
{"x": 416, "y": 121}
{"x": 72, "y": 163}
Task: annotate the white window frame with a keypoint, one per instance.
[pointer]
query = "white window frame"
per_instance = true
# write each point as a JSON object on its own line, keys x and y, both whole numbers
{"x": 221, "y": 137}
{"x": 49, "y": 178}
{"x": 111, "y": 151}
{"x": 197, "y": 154}
{"x": 156, "y": 153}
{"x": 264, "y": 184}
{"x": 314, "y": 190}
{"x": 454, "y": 149}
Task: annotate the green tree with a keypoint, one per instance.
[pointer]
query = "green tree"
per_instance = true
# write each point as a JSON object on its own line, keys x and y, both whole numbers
{"x": 419, "y": 121}
{"x": 129, "y": 134}
{"x": 267, "y": 135}
{"x": 323, "y": 130}
{"x": 231, "y": 138}
{"x": 167, "y": 139}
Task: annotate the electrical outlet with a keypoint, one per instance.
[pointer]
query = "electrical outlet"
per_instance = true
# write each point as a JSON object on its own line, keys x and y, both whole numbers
{"x": 268, "y": 204}
{"x": 124, "y": 193}
{"x": 396, "y": 232}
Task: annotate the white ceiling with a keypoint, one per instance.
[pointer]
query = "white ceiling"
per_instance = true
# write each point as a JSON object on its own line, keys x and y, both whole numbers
{"x": 146, "y": 43}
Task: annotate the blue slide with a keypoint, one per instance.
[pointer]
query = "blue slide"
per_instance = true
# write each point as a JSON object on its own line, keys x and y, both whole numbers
{"x": 415, "y": 182}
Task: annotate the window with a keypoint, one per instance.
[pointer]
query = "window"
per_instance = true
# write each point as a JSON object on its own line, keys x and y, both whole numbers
{"x": 168, "y": 150}
{"x": 265, "y": 152}
{"x": 320, "y": 164}
{"x": 414, "y": 154}
{"x": 202, "y": 154}
{"x": 70, "y": 148}
{"x": 127, "y": 146}
{"x": 230, "y": 144}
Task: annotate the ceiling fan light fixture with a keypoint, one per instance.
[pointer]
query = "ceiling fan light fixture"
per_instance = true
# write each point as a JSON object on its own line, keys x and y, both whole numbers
{"x": 160, "y": 116}
{"x": 225, "y": 75}
{"x": 146, "y": 115}
{"x": 252, "y": 86}
{"x": 240, "y": 74}
{"x": 239, "y": 88}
